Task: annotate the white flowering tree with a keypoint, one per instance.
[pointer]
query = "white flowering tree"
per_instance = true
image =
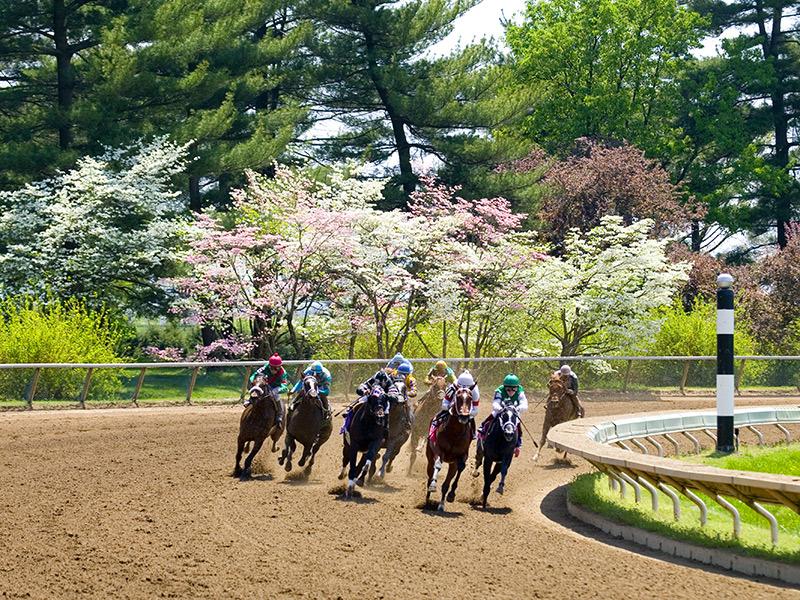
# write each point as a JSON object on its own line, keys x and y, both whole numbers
{"x": 599, "y": 296}
{"x": 103, "y": 231}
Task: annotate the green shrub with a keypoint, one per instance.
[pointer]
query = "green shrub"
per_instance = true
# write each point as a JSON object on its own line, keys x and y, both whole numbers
{"x": 56, "y": 332}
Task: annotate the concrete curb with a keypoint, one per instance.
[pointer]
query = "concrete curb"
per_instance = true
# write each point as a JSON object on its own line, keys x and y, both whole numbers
{"x": 709, "y": 556}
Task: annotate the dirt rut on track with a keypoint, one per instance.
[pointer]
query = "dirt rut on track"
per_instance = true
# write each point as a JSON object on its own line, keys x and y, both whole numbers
{"x": 131, "y": 503}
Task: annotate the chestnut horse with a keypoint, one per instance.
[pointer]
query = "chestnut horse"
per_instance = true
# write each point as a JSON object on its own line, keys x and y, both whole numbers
{"x": 308, "y": 423}
{"x": 561, "y": 406}
{"x": 453, "y": 438}
{"x": 256, "y": 425}
{"x": 424, "y": 410}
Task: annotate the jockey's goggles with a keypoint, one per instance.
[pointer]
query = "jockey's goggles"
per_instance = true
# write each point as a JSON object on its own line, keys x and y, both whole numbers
{"x": 511, "y": 388}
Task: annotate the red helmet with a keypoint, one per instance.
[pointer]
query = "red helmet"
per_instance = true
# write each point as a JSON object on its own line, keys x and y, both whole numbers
{"x": 275, "y": 360}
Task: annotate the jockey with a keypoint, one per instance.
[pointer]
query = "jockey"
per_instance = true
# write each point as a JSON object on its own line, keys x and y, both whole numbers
{"x": 570, "y": 380}
{"x": 405, "y": 373}
{"x": 323, "y": 377}
{"x": 277, "y": 380}
{"x": 510, "y": 393}
{"x": 381, "y": 379}
{"x": 465, "y": 380}
{"x": 440, "y": 369}
{"x": 396, "y": 361}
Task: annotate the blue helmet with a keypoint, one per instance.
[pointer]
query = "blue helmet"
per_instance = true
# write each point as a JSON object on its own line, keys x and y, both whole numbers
{"x": 316, "y": 367}
{"x": 405, "y": 368}
{"x": 398, "y": 359}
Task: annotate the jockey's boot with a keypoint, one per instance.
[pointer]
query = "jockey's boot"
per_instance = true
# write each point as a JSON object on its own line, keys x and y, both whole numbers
{"x": 278, "y": 411}
{"x": 485, "y": 426}
{"x": 472, "y": 428}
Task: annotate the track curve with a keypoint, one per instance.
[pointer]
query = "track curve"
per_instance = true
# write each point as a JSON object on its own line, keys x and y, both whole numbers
{"x": 135, "y": 503}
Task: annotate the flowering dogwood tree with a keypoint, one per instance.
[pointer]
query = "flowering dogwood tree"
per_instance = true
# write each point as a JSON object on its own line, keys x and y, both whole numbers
{"x": 598, "y": 296}
{"x": 106, "y": 230}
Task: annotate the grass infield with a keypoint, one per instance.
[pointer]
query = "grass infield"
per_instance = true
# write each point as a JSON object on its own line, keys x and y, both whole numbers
{"x": 592, "y": 492}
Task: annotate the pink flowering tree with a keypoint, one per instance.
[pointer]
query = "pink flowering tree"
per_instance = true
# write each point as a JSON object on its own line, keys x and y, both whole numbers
{"x": 484, "y": 291}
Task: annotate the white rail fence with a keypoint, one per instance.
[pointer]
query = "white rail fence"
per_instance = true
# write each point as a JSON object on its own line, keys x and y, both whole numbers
{"x": 488, "y": 369}
{"x": 602, "y": 442}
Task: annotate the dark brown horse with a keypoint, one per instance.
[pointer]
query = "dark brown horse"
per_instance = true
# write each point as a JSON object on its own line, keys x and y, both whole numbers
{"x": 424, "y": 410}
{"x": 256, "y": 425}
{"x": 309, "y": 423}
{"x": 561, "y": 406}
{"x": 401, "y": 420}
{"x": 453, "y": 438}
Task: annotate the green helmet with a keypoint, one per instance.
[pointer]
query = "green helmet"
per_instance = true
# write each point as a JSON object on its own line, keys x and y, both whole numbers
{"x": 511, "y": 380}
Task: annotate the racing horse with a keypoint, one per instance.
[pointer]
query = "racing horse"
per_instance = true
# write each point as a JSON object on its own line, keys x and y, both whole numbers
{"x": 401, "y": 420}
{"x": 561, "y": 406}
{"x": 256, "y": 425}
{"x": 424, "y": 410}
{"x": 497, "y": 451}
{"x": 364, "y": 434}
{"x": 309, "y": 423}
{"x": 450, "y": 444}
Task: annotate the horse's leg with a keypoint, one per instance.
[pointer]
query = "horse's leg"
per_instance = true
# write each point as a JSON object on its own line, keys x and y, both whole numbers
{"x": 487, "y": 480}
{"x": 345, "y": 458}
{"x": 237, "y": 470}
{"x": 413, "y": 458}
{"x": 462, "y": 464}
{"x": 451, "y": 471}
{"x": 431, "y": 486}
{"x": 545, "y": 429}
{"x": 286, "y": 444}
{"x": 478, "y": 459}
{"x": 290, "y": 447}
{"x": 352, "y": 456}
{"x": 305, "y": 455}
{"x": 249, "y": 460}
{"x": 504, "y": 464}
{"x": 368, "y": 460}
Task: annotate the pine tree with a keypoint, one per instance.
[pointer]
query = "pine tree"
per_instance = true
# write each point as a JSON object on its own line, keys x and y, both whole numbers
{"x": 47, "y": 113}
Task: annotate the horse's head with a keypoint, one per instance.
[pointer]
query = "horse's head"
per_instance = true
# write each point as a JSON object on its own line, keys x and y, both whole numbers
{"x": 462, "y": 404}
{"x": 375, "y": 403}
{"x": 401, "y": 390}
{"x": 509, "y": 421}
{"x": 310, "y": 386}
{"x": 258, "y": 389}
{"x": 556, "y": 387}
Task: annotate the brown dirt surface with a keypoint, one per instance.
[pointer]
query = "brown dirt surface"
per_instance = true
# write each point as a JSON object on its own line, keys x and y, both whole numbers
{"x": 139, "y": 503}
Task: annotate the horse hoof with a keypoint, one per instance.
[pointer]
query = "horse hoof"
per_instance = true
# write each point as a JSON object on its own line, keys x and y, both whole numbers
{"x": 341, "y": 476}
{"x": 281, "y": 459}
{"x": 440, "y": 508}
{"x": 245, "y": 475}
{"x": 389, "y": 468}
{"x": 360, "y": 482}
{"x": 302, "y": 462}
{"x": 237, "y": 471}
{"x": 451, "y": 497}
{"x": 288, "y": 466}
{"x": 484, "y": 502}
{"x": 500, "y": 489}
{"x": 431, "y": 488}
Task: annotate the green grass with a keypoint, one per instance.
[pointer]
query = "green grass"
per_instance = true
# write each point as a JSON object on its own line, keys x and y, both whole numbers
{"x": 780, "y": 460}
{"x": 592, "y": 491}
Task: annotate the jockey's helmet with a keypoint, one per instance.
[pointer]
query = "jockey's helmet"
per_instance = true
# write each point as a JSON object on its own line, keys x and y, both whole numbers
{"x": 405, "y": 368}
{"x": 316, "y": 366}
{"x": 441, "y": 366}
{"x": 465, "y": 379}
{"x": 565, "y": 370}
{"x": 275, "y": 360}
{"x": 511, "y": 381}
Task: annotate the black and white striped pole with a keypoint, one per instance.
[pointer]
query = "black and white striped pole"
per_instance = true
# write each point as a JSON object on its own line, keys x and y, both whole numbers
{"x": 725, "y": 374}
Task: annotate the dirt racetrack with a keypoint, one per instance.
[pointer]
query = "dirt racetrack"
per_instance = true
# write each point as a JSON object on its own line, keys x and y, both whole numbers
{"x": 139, "y": 503}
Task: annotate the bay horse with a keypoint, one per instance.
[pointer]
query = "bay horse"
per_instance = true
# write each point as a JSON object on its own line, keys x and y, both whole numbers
{"x": 256, "y": 425}
{"x": 453, "y": 438}
{"x": 497, "y": 450}
{"x": 365, "y": 435}
{"x": 561, "y": 406}
{"x": 424, "y": 410}
{"x": 309, "y": 423}
{"x": 401, "y": 419}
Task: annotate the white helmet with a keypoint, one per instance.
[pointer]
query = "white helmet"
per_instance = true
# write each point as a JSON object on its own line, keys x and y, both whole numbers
{"x": 465, "y": 379}
{"x": 565, "y": 370}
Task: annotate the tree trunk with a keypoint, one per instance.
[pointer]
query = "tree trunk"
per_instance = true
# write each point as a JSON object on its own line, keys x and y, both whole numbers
{"x": 696, "y": 239}
{"x": 65, "y": 74}
{"x": 195, "y": 202}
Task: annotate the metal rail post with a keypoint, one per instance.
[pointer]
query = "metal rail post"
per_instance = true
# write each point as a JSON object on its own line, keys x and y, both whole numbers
{"x": 32, "y": 391}
{"x": 191, "y": 385}
{"x": 85, "y": 391}
{"x": 138, "y": 389}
